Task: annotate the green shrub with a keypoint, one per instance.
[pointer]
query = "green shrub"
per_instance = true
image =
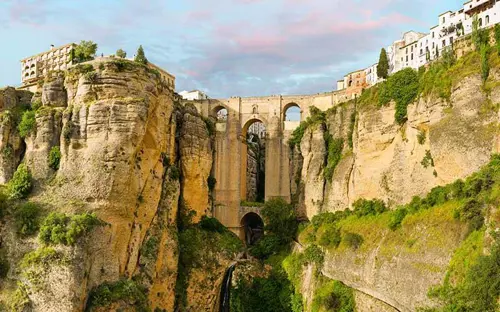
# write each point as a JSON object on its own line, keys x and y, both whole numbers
{"x": 353, "y": 240}
{"x": 91, "y": 77}
{"x": 27, "y": 218}
{"x": 54, "y": 157}
{"x": 478, "y": 292}
{"x": 268, "y": 245}
{"x": 363, "y": 207}
{"x": 313, "y": 255}
{"x": 150, "y": 248}
{"x": 402, "y": 87}
{"x": 122, "y": 290}
{"x": 472, "y": 213}
{"x": 397, "y": 217}
{"x": 280, "y": 219}
{"x": 427, "y": 160}
{"x": 68, "y": 130}
{"x": 20, "y": 184}
{"x": 212, "y": 224}
{"x": 20, "y": 299}
{"x": 57, "y": 228}
{"x": 27, "y": 124}
{"x": 44, "y": 256}
{"x": 83, "y": 52}
{"x": 174, "y": 173}
{"x": 421, "y": 137}
{"x": 334, "y": 154}
{"x": 485, "y": 65}
{"x": 7, "y": 151}
{"x": 333, "y": 296}
{"x": 330, "y": 238}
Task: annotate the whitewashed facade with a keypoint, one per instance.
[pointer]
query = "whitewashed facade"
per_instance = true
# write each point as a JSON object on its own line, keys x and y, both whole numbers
{"x": 193, "y": 95}
{"x": 417, "y": 49}
{"x": 371, "y": 75}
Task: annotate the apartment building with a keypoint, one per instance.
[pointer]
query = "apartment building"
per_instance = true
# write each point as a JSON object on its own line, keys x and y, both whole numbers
{"x": 35, "y": 67}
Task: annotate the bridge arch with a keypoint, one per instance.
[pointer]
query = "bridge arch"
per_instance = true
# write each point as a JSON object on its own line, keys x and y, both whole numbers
{"x": 253, "y": 160}
{"x": 220, "y": 112}
{"x": 253, "y": 227}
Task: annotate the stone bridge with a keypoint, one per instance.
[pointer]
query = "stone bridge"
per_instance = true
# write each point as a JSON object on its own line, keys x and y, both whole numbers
{"x": 231, "y": 147}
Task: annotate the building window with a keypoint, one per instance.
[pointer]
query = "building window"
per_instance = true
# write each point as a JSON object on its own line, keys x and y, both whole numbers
{"x": 480, "y": 22}
{"x": 407, "y": 50}
{"x": 432, "y": 34}
{"x": 412, "y": 56}
{"x": 444, "y": 19}
{"x": 487, "y": 19}
{"x": 407, "y": 58}
{"x": 444, "y": 43}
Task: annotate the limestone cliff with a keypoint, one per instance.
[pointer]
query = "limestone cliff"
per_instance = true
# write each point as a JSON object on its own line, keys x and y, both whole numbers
{"x": 385, "y": 160}
{"x": 358, "y": 151}
{"x": 127, "y": 154}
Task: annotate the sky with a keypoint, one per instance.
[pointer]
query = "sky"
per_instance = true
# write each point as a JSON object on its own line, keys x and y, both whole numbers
{"x": 222, "y": 47}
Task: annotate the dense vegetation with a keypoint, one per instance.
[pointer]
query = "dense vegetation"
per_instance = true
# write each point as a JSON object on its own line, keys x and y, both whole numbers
{"x": 83, "y": 52}
{"x": 54, "y": 157}
{"x": 20, "y": 185}
{"x": 198, "y": 243}
{"x": 124, "y": 291}
{"x": 58, "y": 228}
{"x": 275, "y": 290}
{"x": 473, "y": 279}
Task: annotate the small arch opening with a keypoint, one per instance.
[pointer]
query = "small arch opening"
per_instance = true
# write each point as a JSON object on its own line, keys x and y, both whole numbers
{"x": 220, "y": 113}
{"x": 253, "y": 169}
{"x": 292, "y": 112}
{"x": 253, "y": 226}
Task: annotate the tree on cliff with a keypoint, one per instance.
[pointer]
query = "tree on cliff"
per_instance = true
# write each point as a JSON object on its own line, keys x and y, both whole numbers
{"x": 85, "y": 51}
{"x": 121, "y": 53}
{"x": 383, "y": 65}
{"x": 140, "y": 57}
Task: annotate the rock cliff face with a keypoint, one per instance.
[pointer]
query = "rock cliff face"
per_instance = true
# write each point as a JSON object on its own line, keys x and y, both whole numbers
{"x": 127, "y": 155}
{"x": 12, "y": 147}
{"x": 442, "y": 141}
{"x": 386, "y": 159}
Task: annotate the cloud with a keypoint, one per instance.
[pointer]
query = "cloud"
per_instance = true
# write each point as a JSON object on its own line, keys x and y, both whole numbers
{"x": 228, "y": 47}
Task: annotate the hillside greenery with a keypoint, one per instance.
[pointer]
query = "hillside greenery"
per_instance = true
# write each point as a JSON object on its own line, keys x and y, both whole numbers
{"x": 406, "y": 86}
{"x": 437, "y": 221}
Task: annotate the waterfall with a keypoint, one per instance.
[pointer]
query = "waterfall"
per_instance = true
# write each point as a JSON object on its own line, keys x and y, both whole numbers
{"x": 225, "y": 290}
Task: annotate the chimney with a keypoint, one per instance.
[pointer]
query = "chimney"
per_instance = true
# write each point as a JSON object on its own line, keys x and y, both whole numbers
{"x": 51, "y": 47}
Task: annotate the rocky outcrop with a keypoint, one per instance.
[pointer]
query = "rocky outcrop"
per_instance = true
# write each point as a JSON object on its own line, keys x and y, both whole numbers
{"x": 12, "y": 147}
{"x": 386, "y": 160}
{"x": 54, "y": 93}
{"x": 118, "y": 148}
{"x": 196, "y": 156}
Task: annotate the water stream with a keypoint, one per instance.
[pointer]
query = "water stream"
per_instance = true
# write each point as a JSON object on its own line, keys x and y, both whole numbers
{"x": 225, "y": 290}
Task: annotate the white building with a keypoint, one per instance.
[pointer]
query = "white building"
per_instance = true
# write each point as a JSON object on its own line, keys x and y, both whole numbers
{"x": 405, "y": 52}
{"x": 371, "y": 75}
{"x": 193, "y": 95}
{"x": 340, "y": 85}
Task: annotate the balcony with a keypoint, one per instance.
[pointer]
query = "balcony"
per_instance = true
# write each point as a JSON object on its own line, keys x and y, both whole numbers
{"x": 476, "y": 6}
